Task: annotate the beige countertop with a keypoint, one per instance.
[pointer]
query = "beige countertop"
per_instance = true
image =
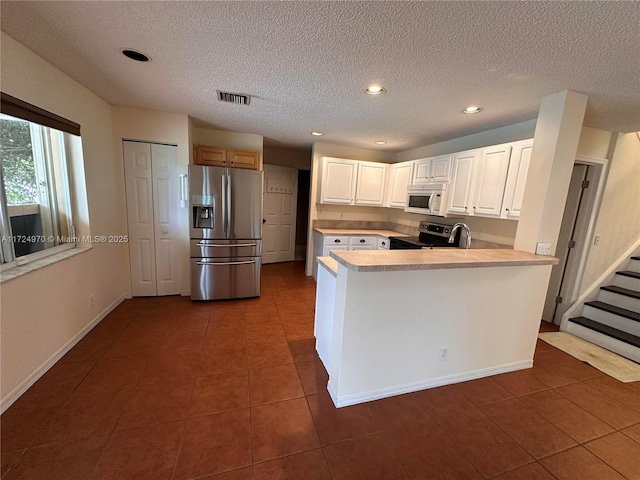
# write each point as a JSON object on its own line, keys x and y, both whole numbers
{"x": 329, "y": 263}
{"x": 427, "y": 259}
{"x": 359, "y": 231}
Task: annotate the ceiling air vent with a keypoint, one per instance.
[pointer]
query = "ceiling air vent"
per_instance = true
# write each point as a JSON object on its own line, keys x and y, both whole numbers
{"x": 234, "y": 97}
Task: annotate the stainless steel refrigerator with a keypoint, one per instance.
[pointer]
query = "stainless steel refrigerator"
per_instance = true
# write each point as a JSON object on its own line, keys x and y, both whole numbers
{"x": 226, "y": 232}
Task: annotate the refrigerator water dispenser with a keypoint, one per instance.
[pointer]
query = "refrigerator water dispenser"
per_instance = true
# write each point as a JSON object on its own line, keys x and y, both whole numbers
{"x": 203, "y": 217}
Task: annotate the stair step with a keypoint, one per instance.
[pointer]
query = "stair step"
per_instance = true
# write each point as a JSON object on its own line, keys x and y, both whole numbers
{"x": 623, "y": 312}
{"x": 629, "y": 273}
{"x": 627, "y": 279}
{"x": 605, "y": 341}
{"x": 620, "y": 297}
{"x": 622, "y": 291}
{"x": 606, "y": 330}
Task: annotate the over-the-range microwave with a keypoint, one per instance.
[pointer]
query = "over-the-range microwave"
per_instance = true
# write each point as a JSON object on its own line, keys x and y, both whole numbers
{"x": 427, "y": 199}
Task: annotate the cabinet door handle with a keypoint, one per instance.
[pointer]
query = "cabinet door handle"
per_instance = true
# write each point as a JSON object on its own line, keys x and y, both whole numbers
{"x": 362, "y": 241}
{"x": 337, "y": 240}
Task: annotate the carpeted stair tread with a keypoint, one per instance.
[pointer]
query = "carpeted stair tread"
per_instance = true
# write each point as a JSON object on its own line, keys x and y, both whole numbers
{"x": 622, "y": 291}
{"x": 607, "y": 330}
{"x": 623, "y": 312}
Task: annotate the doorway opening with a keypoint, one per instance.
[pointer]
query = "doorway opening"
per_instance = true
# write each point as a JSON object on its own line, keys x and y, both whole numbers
{"x": 575, "y": 237}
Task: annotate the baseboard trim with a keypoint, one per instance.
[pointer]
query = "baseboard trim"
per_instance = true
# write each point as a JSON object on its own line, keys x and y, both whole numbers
{"x": 17, "y": 392}
{"x": 354, "y": 399}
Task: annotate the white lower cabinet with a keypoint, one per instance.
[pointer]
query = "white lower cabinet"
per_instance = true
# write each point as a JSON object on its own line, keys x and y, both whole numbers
{"x": 331, "y": 242}
{"x": 353, "y": 242}
{"x": 363, "y": 242}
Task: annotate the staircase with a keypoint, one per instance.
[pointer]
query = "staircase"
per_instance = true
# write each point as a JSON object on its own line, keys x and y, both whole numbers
{"x": 613, "y": 320}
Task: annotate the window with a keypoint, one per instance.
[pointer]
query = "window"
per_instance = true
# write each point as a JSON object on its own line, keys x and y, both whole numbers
{"x": 35, "y": 205}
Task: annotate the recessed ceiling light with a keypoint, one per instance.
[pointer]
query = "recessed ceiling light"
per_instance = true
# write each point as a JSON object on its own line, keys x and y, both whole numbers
{"x": 472, "y": 109}
{"x": 375, "y": 90}
{"x": 317, "y": 134}
{"x": 135, "y": 55}
{"x": 381, "y": 142}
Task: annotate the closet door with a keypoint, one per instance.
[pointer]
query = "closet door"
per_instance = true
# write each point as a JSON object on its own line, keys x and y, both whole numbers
{"x": 166, "y": 211}
{"x": 153, "y": 209}
{"x": 139, "y": 192}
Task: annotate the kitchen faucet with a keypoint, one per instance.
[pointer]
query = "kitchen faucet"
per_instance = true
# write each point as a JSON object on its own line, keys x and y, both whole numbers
{"x": 467, "y": 231}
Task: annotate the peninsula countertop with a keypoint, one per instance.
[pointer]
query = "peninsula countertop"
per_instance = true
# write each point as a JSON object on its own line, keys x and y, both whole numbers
{"x": 433, "y": 259}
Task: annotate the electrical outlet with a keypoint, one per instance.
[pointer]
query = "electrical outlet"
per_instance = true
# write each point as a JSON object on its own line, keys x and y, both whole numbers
{"x": 442, "y": 354}
{"x": 543, "y": 248}
{"x": 596, "y": 240}
{"x": 322, "y": 209}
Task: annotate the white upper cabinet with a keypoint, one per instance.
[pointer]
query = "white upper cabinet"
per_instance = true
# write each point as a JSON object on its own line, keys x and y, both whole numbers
{"x": 338, "y": 180}
{"x": 352, "y": 182}
{"x": 490, "y": 180}
{"x": 479, "y": 180}
{"x": 516, "y": 178}
{"x": 441, "y": 169}
{"x": 460, "y": 189}
{"x": 370, "y": 183}
{"x": 432, "y": 170}
{"x": 401, "y": 176}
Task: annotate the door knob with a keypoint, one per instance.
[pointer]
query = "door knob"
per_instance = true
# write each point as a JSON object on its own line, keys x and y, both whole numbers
{"x": 164, "y": 232}
{"x": 264, "y": 220}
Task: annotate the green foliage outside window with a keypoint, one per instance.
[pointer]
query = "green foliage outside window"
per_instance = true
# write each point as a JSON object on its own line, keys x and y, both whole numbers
{"x": 17, "y": 162}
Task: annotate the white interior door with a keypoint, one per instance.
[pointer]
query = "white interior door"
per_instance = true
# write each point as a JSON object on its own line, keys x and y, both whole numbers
{"x": 166, "y": 212}
{"x": 567, "y": 245}
{"x": 139, "y": 191}
{"x": 279, "y": 206}
{"x": 153, "y": 199}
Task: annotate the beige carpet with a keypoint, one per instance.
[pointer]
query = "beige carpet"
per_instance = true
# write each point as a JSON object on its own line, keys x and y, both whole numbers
{"x": 608, "y": 362}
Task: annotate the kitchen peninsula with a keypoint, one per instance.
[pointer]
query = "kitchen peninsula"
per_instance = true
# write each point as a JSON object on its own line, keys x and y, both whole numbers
{"x": 391, "y": 322}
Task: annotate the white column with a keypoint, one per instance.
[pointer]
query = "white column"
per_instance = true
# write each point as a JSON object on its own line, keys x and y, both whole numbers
{"x": 554, "y": 151}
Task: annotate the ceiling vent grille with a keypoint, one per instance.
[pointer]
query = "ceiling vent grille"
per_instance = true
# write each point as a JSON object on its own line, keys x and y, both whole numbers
{"x": 238, "y": 98}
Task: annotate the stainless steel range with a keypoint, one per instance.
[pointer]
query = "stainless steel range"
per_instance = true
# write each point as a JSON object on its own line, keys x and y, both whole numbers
{"x": 431, "y": 235}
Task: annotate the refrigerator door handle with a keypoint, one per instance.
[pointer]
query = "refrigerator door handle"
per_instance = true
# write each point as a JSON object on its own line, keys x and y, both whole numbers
{"x": 202, "y": 244}
{"x": 248, "y": 262}
{"x": 224, "y": 203}
{"x": 228, "y": 230}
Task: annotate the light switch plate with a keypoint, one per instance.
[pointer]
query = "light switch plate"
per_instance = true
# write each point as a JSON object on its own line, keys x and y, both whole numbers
{"x": 543, "y": 248}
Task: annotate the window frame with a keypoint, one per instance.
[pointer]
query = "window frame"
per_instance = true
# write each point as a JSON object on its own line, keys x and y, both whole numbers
{"x": 41, "y": 119}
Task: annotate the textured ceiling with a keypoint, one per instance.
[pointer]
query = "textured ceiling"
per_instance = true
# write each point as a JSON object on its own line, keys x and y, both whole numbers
{"x": 306, "y": 64}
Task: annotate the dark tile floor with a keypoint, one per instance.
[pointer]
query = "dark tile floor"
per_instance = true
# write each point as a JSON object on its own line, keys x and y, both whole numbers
{"x": 164, "y": 388}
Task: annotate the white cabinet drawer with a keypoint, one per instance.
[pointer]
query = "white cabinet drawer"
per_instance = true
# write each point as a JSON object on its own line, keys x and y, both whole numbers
{"x": 364, "y": 242}
{"x": 333, "y": 242}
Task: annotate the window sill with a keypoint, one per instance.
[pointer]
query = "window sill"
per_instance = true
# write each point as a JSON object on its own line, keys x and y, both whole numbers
{"x": 20, "y": 270}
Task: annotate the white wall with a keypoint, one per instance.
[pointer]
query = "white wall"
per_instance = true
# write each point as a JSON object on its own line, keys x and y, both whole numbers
{"x": 618, "y": 222}
{"x": 287, "y": 157}
{"x": 45, "y": 309}
{"x": 509, "y": 133}
{"x": 222, "y": 138}
{"x": 160, "y": 127}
